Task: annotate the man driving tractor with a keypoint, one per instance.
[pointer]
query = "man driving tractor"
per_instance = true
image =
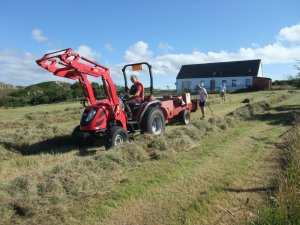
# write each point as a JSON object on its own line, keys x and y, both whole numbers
{"x": 136, "y": 92}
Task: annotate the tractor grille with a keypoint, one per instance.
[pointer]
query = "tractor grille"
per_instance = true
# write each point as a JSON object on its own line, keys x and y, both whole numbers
{"x": 85, "y": 114}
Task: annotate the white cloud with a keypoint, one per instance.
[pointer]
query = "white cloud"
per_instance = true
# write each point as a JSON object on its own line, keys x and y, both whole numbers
{"x": 87, "y": 52}
{"x": 19, "y": 68}
{"x": 289, "y": 33}
{"x": 37, "y": 35}
{"x": 270, "y": 54}
{"x": 138, "y": 52}
{"x": 165, "y": 46}
{"x": 109, "y": 47}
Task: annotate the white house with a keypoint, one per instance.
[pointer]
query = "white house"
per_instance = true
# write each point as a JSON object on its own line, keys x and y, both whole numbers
{"x": 235, "y": 74}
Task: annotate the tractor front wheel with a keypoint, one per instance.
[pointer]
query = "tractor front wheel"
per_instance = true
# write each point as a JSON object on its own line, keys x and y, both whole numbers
{"x": 115, "y": 136}
{"x": 79, "y": 140}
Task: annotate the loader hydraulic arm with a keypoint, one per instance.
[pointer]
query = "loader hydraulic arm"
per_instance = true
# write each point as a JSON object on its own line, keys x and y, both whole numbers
{"x": 68, "y": 64}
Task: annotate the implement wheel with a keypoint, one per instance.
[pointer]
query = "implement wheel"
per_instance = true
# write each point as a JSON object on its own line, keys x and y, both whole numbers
{"x": 185, "y": 117}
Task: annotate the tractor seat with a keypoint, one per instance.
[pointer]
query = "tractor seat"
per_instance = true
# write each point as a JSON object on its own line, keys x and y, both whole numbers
{"x": 135, "y": 108}
{"x": 132, "y": 109}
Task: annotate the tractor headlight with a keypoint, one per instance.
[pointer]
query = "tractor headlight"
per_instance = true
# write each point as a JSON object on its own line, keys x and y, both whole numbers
{"x": 91, "y": 115}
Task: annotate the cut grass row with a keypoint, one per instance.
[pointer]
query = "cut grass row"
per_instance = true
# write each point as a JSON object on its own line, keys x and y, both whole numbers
{"x": 118, "y": 173}
{"x": 284, "y": 206}
{"x": 270, "y": 135}
{"x": 186, "y": 184}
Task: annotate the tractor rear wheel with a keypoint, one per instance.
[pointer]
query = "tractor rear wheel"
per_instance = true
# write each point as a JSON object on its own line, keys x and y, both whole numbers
{"x": 154, "y": 122}
{"x": 185, "y": 117}
{"x": 115, "y": 136}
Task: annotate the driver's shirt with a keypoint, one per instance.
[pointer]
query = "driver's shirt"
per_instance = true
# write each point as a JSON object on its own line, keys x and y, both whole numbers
{"x": 139, "y": 87}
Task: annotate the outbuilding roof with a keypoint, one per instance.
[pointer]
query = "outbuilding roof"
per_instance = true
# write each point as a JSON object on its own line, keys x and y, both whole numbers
{"x": 220, "y": 69}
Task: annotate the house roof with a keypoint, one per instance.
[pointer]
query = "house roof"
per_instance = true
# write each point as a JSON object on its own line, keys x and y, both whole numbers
{"x": 220, "y": 69}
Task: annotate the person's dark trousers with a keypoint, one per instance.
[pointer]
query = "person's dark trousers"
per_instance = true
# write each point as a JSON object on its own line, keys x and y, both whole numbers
{"x": 130, "y": 104}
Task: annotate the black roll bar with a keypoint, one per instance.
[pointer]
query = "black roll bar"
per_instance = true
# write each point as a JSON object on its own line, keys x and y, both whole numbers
{"x": 150, "y": 72}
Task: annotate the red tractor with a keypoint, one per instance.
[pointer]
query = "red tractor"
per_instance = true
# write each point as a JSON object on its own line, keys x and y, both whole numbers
{"x": 108, "y": 117}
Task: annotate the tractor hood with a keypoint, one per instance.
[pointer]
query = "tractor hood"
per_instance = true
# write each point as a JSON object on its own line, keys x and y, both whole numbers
{"x": 94, "y": 118}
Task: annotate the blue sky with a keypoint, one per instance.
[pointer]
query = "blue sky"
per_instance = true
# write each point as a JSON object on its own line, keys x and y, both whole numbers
{"x": 165, "y": 33}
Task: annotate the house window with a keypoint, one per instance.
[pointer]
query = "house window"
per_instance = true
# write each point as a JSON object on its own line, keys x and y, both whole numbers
{"x": 248, "y": 83}
{"x": 202, "y": 83}
{"x": 233, "y": 83}
{"x": 186, "y": 85}
{"x": 212, "y": 85}
{"x": 224, "y": 82}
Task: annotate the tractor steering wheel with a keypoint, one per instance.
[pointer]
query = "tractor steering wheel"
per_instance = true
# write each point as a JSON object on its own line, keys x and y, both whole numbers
{"x": 123, "y": 95}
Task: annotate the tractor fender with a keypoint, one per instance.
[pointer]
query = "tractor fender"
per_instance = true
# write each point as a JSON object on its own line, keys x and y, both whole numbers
{"x": 164, "y": 111}
{"x": 113, "y": 123}
{"x": 152, "y": 104}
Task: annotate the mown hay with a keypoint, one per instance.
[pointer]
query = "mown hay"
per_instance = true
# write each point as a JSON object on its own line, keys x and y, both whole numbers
{"x": 59, "y": 188}
{"x": 159, "y": 143}
{"x": 51, "y": 193}
{"x": 132, "y": 152}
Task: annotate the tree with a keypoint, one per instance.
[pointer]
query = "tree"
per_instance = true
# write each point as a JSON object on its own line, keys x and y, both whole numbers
{"x": 297, "y": 76}
{"x": 294, "y": 80}
{"x": 298, "y": 69}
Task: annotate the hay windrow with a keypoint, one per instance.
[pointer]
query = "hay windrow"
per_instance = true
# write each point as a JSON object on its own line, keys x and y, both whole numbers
{"x": 184, "y": 138}
{"x": 249, "y": 110}
{"x": 83, "y": 178}
{"x": 75, "y": 180}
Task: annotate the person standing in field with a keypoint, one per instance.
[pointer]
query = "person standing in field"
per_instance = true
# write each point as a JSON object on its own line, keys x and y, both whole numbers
{"x": 223, "y": 91}
{"x": 203, "y": 96}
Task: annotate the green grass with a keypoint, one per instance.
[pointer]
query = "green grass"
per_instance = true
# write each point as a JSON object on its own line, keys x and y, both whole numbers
{"x": 177, "y": 178}
{"x": 143, "y": 181}
{"x": 284, "y": 206}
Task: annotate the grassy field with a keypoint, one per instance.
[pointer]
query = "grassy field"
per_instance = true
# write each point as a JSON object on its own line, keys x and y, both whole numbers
{"x": 221, "y": 170}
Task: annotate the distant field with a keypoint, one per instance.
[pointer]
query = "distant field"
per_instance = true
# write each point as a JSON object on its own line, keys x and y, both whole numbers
{"x": 217, "y": 171}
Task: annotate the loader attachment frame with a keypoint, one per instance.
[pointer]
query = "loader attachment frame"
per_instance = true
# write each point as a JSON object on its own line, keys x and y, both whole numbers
{"x": 66, "y": 63}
